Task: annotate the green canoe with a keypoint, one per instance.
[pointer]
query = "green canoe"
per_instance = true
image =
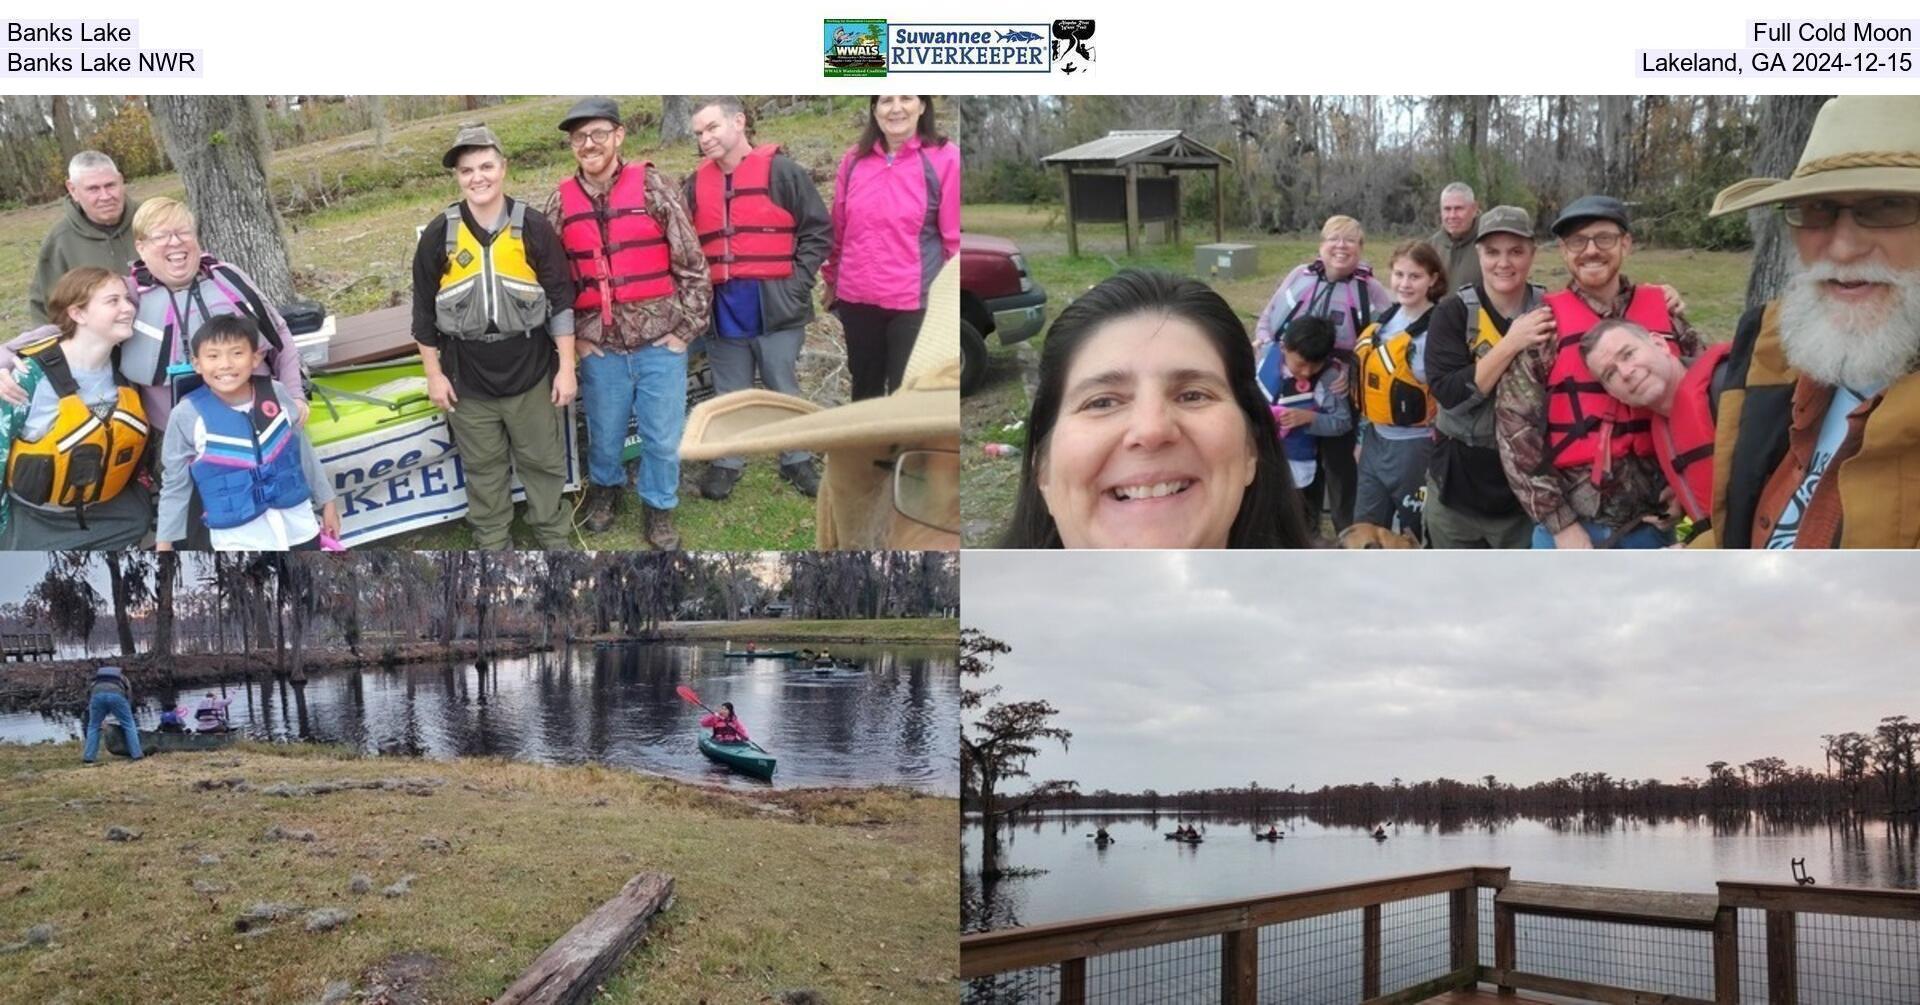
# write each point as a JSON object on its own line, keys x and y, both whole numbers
{"x": 741, "y": 757}
{"x": 350, "y": 403}
{"x": 155, "y": 742}
{"x": 763, "y": 654}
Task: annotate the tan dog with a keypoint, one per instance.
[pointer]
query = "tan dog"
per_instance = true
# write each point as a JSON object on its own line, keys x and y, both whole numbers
{"x": 1369, "y": 536}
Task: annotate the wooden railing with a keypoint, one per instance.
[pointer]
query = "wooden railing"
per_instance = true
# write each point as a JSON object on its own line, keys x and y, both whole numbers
{"x": 1070, "y": 944}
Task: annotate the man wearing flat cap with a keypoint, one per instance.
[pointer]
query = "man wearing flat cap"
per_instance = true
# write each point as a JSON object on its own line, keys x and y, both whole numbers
{"x": 641, "y": 296}
{"x": 1580, "y": 462}
{"x": 492, "y": 312}
{"x": 1817, "y": 439}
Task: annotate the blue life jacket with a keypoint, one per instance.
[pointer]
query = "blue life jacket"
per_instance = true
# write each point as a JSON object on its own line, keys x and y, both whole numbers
{"x": 252, "y": 461}
{"x": 1291, "y": 392}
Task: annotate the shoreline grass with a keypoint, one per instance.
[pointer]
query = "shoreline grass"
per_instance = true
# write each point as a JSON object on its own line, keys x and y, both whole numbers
{"x": 851, "y": 893}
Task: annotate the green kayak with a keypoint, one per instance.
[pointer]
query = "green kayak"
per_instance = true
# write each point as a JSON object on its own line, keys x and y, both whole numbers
{"x": 763, "y": 654}
{"x": 155, "y": 742}
{"x": 741, "y": 757}
{"x": 350, "y": 403}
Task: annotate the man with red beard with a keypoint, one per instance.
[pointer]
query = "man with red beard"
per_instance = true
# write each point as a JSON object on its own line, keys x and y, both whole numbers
{"x": 1817, "y": 438}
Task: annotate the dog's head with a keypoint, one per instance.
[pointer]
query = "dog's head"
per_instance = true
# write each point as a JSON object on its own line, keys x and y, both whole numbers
{"x": 1368, "y": 536}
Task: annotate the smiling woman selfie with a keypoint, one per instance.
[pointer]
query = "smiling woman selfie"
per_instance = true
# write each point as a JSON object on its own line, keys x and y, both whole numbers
{"x": 1150, "y": 430}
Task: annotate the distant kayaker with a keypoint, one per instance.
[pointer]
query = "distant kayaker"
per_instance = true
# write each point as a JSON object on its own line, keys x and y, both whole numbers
{"x": 211, "y": 716}
{"x": 1100, "y": 835}
{"x": 727, "y": 728}
{"x": 1380, "y": 833}
{"x": 1271, "y": 832}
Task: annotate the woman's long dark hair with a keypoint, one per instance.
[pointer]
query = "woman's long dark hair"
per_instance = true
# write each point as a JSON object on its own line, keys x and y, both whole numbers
{"x": 929, "y": 136}
{"x": 1270, "y": 512}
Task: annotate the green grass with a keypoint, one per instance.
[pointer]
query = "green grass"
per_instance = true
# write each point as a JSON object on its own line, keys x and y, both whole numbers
{"x": 848, "y": 892}
{"x": 351, "y": 210}
{"x": 1713, "y": 284}
{"x": 785, "y": 630}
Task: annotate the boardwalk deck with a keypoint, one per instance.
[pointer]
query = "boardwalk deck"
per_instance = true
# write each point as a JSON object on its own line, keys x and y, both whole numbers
{"x": 1487, "y": 996}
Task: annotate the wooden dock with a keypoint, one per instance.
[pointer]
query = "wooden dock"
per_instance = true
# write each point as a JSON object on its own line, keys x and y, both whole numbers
{"x": 1804, "y": 943}
{"x": 23, "y": 646}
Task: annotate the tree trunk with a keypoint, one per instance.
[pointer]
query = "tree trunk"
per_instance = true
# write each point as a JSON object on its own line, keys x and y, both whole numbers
{"x": 377, "y": 109}
{"x": 675, "y": 110}
{"x": 65, "y": 132}
{"x": 216, "y": 143}
{"x": 121, "y": 620}
{"x": 1785, "y": 121}
{"x": 169, "y": 568}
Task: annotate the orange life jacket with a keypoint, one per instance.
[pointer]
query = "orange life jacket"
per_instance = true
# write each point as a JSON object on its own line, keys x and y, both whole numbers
{"x": 1585, "y": 424}
{"x": 618, "y": 254}
{"x": 743, "y": 232}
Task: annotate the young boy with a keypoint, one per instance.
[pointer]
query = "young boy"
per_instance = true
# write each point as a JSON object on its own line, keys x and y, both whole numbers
{"x": 1300, "y": 376}
{"x": 233, "y": 441}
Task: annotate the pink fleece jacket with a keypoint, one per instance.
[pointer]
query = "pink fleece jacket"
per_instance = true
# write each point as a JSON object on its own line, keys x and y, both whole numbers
{"x": 896, "y": 220}
{"x": 724, "y": 730}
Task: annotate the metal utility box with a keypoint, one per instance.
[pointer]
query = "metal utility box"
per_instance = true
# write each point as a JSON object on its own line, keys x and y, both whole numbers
{"x": 1226, "y": 261}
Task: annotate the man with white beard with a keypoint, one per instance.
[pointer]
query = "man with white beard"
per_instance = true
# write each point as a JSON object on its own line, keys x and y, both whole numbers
{"x": 1817, "y": 439}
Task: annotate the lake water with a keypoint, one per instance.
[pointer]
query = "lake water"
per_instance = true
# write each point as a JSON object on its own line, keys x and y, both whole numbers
{"x": 895, "y": 721}
{"x": 1059, "y": 874}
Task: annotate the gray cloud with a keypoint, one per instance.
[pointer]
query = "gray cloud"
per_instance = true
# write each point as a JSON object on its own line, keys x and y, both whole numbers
{"x": 1179, "y": 670}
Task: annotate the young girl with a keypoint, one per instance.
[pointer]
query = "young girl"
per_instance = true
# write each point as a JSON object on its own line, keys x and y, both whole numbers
{"x": 73, "y": 453}
{"x": 1391, "y": 394}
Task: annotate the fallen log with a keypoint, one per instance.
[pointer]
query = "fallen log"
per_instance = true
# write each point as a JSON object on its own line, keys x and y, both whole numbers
{"x": 572, "y": 969}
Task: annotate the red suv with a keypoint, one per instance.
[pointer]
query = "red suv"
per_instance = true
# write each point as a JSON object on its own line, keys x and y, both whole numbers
{"x": 996, "y": 296}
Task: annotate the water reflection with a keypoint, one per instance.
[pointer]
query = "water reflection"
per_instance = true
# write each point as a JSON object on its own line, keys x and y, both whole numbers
{"x": 894, "y": 722}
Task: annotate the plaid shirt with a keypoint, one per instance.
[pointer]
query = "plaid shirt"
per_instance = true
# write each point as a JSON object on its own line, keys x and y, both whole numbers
{"x": 1559, "y": 497}
{"x": 644, "y": 322}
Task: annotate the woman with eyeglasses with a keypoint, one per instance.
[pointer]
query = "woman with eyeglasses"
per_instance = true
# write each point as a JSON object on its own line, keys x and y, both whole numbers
{"x": 896, "y": 221}
{"x": 1339, "y": 286}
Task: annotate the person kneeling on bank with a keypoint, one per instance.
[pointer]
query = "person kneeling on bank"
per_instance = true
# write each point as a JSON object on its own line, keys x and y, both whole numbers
{"x": 232, "y": 440}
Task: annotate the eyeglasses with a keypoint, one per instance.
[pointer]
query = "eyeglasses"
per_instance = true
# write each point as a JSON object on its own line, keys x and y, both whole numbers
{"x": 1577, "y": 243}
{"x": 589, "y": 137}
{"x": 926, "y": 487}
{"x": 170, "y": 236}
{"x": 1877, "y": 213}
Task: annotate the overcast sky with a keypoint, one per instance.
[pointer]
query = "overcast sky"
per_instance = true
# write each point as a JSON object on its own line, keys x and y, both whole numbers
{"x": 1199, "y": 669}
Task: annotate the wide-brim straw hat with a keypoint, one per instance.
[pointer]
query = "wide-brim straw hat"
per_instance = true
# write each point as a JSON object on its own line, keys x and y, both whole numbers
{"x": 1859, "y": 143}
{"x": 926, "y": 406}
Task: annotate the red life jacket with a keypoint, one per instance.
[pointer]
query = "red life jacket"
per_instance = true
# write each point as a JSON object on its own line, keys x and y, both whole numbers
{"x": 618, "y": 254}
{"x": 1683, "y": 441}
{"x": 1585, "y": 424}
{"x": 744, "y": 233}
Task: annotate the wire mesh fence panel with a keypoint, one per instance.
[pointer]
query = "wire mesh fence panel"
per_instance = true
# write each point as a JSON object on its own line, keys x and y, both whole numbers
{"x": 1184, "y": 971}
{"x": 1753, "y": 955}
{"x": 1633, "y": 957}
{"x": 1313, "y": 961}
{"x": 1850, "y": 959}
{"x": 1415, "y": 941}
{"x": 1486, "y": 925}
{"x": 1032, "y": 986}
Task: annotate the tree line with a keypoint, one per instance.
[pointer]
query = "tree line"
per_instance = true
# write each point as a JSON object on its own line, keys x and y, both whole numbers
{"x": 283, "y": 602}
{"x": 1384, "y": 158}
{"x": 1872, "y": 772}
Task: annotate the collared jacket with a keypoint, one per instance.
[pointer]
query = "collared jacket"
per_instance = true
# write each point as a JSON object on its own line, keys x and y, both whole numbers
{"x": 1768, "y": 420}
{"x": 1462, "y": 254}
{"x": 896, "y": 220}
{"x": 1558, "y": 497}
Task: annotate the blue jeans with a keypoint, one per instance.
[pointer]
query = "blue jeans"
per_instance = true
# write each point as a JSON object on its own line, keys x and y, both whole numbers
{"x": 101, "y": 705}
{"x": 1645, "y": 536}
{"x": 647, "y": 387}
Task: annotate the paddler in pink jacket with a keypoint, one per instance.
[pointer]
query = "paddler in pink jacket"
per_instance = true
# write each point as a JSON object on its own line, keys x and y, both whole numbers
{"x": 727, "y": 728}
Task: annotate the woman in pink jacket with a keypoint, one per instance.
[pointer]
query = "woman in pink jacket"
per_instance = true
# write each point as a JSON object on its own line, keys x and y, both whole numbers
{"x": 727, "y": 727}
{"x": 896, "y": 220}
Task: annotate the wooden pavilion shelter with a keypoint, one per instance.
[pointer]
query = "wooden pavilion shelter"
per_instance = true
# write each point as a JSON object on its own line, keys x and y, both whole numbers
{"x": 1105, "y": 184}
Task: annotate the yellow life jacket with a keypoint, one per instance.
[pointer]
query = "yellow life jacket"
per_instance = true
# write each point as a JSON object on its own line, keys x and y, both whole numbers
{"x": 1388, "y": 393}
{"x": 489, "y": 291}
{"x": 1484, "y": 335}
{"x": 85, "y": 458}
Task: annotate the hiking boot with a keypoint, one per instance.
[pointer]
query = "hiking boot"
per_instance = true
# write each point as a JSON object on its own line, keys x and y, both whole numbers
{"x": 660, "y": 532}
{"x": 802, "y": 476}
{"x": 719, "y": 482}
{"x": 603, "y": 505}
